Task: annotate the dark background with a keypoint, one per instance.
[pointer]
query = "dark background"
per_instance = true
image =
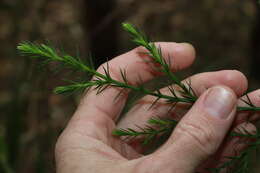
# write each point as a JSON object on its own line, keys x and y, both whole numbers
{"x": 225, "y": 34}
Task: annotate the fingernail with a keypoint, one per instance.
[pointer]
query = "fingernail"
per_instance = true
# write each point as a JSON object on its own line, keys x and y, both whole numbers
{"x": 219, "y": 102}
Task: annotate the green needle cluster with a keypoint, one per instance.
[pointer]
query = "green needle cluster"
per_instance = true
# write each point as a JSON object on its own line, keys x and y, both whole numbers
{"x": 156, "y": 127}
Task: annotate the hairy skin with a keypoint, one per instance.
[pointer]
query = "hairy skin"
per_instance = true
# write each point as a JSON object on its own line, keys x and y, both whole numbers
{"x": 86, "y": 145}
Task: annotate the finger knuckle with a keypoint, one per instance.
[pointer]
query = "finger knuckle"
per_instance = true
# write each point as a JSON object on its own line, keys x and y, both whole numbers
{"x": 203, "y": 137}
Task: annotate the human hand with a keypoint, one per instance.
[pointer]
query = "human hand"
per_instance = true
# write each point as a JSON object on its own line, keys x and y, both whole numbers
{"x": 86, "y": 145}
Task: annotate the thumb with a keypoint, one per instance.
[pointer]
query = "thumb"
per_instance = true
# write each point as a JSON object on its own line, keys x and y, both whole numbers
{"x": 201, "y": 131}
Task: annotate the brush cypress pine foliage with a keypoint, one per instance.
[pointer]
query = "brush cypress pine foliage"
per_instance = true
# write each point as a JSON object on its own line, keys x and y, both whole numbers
{"x": 156, "y": 126}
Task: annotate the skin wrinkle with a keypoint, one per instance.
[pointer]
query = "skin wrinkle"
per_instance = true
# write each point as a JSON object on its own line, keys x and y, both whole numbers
{"x": 61, "y": 151}
{"x": 86, "y": 125}
{"x": 106, "y": 154}
{"x": 203, "y": 137}
{"x": 158, "y": 163}
{"x": 93, "y": 165}
{"x": 109, "y": 140}
{"x": 119, "y": 101}
{"x": 105, "y": 112}
{"x": 124, "y": 149}
{"x": 140, "y": 167}
{"x": 91, "y": 132}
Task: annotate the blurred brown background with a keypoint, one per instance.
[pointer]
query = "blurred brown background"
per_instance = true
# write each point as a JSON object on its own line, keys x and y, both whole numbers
{"x": 225, "y": 33}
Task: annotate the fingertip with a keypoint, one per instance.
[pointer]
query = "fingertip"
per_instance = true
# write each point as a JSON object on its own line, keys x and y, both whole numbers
{"x": 186, "y": 53}
{"x": 181, "y": 55}
{"x": 232, "y": 78}
{"x": 236, "y": 80}
{"x": 189, "y": 48}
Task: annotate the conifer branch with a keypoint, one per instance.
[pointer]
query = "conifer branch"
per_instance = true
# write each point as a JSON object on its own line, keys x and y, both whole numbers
{"x": 49, "y": 54}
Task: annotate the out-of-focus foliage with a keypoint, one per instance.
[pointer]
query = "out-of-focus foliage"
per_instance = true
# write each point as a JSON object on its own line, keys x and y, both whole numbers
{"x": 32, "y": 117}
{"x": 4, "y": 165}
